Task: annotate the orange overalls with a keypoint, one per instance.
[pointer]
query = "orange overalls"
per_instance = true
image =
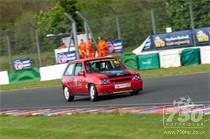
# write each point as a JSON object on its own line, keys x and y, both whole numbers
{"x": 82, "y": 49}
{"x": 90, "y": 49}
{"x": 102, "y": 47}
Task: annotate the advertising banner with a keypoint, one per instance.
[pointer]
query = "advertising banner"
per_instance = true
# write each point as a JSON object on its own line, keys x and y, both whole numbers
{"x": 65, "y": 55}
{"x": 202, "y": 35}
{"x": 148, "y": 44}
{"x": 173, "y": 39}
{"x": 115, "y": 46}
{"x": 22, "y": 63}
{"x": 178, "y": 39}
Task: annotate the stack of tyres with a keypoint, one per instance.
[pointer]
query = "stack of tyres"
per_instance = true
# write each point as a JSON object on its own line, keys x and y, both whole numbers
{"x": 130, "y": 60}
{"x": 149, "y": 61}
{"x": 190, "y": 56}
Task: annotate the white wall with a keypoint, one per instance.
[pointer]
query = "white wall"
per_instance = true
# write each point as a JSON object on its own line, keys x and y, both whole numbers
{"x": 52, "y": 72}
{"x": 205, "y": 54}
{"x": 170, "y": 58}
{"x": 4, "y": 78}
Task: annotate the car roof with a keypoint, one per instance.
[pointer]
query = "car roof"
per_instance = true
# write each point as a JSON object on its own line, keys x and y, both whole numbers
{"x": 90, "y": 59}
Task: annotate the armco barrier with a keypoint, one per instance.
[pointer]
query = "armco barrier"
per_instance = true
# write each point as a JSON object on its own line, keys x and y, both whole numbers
{"x": 130, "y": 60}
{"x": 4, "y": 78}
{"x": 205, "y": 54}
{"x": 170, "y": 58}
{"x": 24, "y": 75}
{"x": 52, "y": 72}
{"x": 190, "y": 56}
{"x": 149, "y": 61}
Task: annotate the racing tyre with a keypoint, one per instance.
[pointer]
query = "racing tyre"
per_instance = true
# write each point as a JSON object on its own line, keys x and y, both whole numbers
{"x": 67, "y": 95}
{"x": 93, "y": 93}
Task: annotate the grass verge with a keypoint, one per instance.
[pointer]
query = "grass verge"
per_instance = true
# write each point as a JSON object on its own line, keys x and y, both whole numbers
{"x": 145, "y": 73}
{"x": 86, "y": 126}
{"x": 30, "y": 85}
{"x": 191, "y": 69}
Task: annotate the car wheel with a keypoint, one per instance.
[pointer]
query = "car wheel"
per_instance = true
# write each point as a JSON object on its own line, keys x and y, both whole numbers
{"x": 93, "y": 93}
{"x": 67, "y": 95}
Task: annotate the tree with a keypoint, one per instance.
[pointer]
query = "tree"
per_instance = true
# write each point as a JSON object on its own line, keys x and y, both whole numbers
{"x": 178, "y": 11}
{"x": 53, "y": 21}
{"x": 14, "y": 18}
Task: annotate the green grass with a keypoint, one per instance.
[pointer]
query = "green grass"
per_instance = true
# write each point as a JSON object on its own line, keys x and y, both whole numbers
{"x": 145, "y": 74}
{"x": 191, "y": 69}
{"x": 30, "y": 85}
{"x": 90, "y": 126}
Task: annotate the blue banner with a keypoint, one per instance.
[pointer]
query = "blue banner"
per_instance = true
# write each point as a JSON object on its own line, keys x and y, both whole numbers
{"x": 65, "y": 57}
{"x": 22, "y": 63}
{"x": 178, "y": 39}
{"x": 173, "y": 39}
{"x": 115, "y": 46}
{"x": 202, "y": 35}
{"x": 148, "y": 44}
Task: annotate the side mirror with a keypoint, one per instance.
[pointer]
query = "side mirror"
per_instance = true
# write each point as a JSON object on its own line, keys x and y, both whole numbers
{"x": 81, "y": 73}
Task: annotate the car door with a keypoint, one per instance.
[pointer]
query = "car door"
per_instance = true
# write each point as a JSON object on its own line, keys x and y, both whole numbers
{"x": 69, "y": 76}
{"x": 79, "y": 80}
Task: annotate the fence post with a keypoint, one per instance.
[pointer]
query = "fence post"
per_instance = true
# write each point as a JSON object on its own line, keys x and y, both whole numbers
{"x": 192, "y": 21}
{"x": 153, "y": 21}
{"x": 38, "y": 46}
{"x": 9, "y": 51}
{"x": 74, "y": 27}
{"x": 88, "y": 27}
{"x": 117, "y": 22}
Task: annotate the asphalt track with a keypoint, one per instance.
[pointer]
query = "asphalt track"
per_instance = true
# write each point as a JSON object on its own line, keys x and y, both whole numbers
{"x": 163, "y": 90}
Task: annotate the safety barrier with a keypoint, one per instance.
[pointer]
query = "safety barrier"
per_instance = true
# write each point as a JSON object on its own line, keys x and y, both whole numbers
{"x": 4, "y": 78}
{"x": 205, "y": 55}
{"x": 148, "y": 60}
{"x": 52, "y": 72}
{"x": 130, "y": 60}
{"x": 170, "y": 58}
{"x": 24, "y": 75}
{"x": 190, "y": 56}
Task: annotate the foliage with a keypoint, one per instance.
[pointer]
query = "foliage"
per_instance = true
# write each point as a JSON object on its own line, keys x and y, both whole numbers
{"x": 178, "y": 11}
{"x": 53, "y": 21}
{"x": 15, "y": 16}
{"x": 135, "y": 20}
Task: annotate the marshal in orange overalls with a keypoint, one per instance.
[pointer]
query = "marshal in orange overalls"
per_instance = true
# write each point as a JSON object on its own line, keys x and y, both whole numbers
{"x": 102, "y": 47}
{"x": 82, "y": 49}
{"x": 90, "y": 49}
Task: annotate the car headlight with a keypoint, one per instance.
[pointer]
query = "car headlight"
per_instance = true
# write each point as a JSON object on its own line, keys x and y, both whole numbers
{"x": 136, "y": 77}
{"x": 105, "y": 81}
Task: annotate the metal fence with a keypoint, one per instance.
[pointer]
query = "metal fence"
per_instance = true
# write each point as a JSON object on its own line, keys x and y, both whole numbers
{"x": 135, "y": 24}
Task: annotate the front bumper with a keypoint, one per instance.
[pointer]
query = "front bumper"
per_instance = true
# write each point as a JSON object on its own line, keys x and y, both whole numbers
{"x": 110, "y": 88}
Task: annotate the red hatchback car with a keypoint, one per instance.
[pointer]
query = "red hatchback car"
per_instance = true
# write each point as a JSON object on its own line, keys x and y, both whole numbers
{"x": 99, "y": 76}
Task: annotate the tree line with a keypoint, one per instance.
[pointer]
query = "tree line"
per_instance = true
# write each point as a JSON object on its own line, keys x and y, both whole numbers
{"x": 134, "y": 15}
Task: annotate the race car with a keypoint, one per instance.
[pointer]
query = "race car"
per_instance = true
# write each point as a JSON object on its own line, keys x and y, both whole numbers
{"x": 99, "y": 76}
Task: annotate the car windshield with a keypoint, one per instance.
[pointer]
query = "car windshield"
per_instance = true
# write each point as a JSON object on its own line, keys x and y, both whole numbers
{"x": 103, "y": 65}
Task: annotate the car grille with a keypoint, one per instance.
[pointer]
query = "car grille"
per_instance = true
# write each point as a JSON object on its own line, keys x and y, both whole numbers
{"x": 120, "y": 80}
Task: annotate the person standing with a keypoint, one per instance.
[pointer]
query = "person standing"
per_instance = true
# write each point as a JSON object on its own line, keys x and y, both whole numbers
{"x": 90, "y": 49}
{"x": 102, "y": 47}
{"x": 82, "y": 49}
